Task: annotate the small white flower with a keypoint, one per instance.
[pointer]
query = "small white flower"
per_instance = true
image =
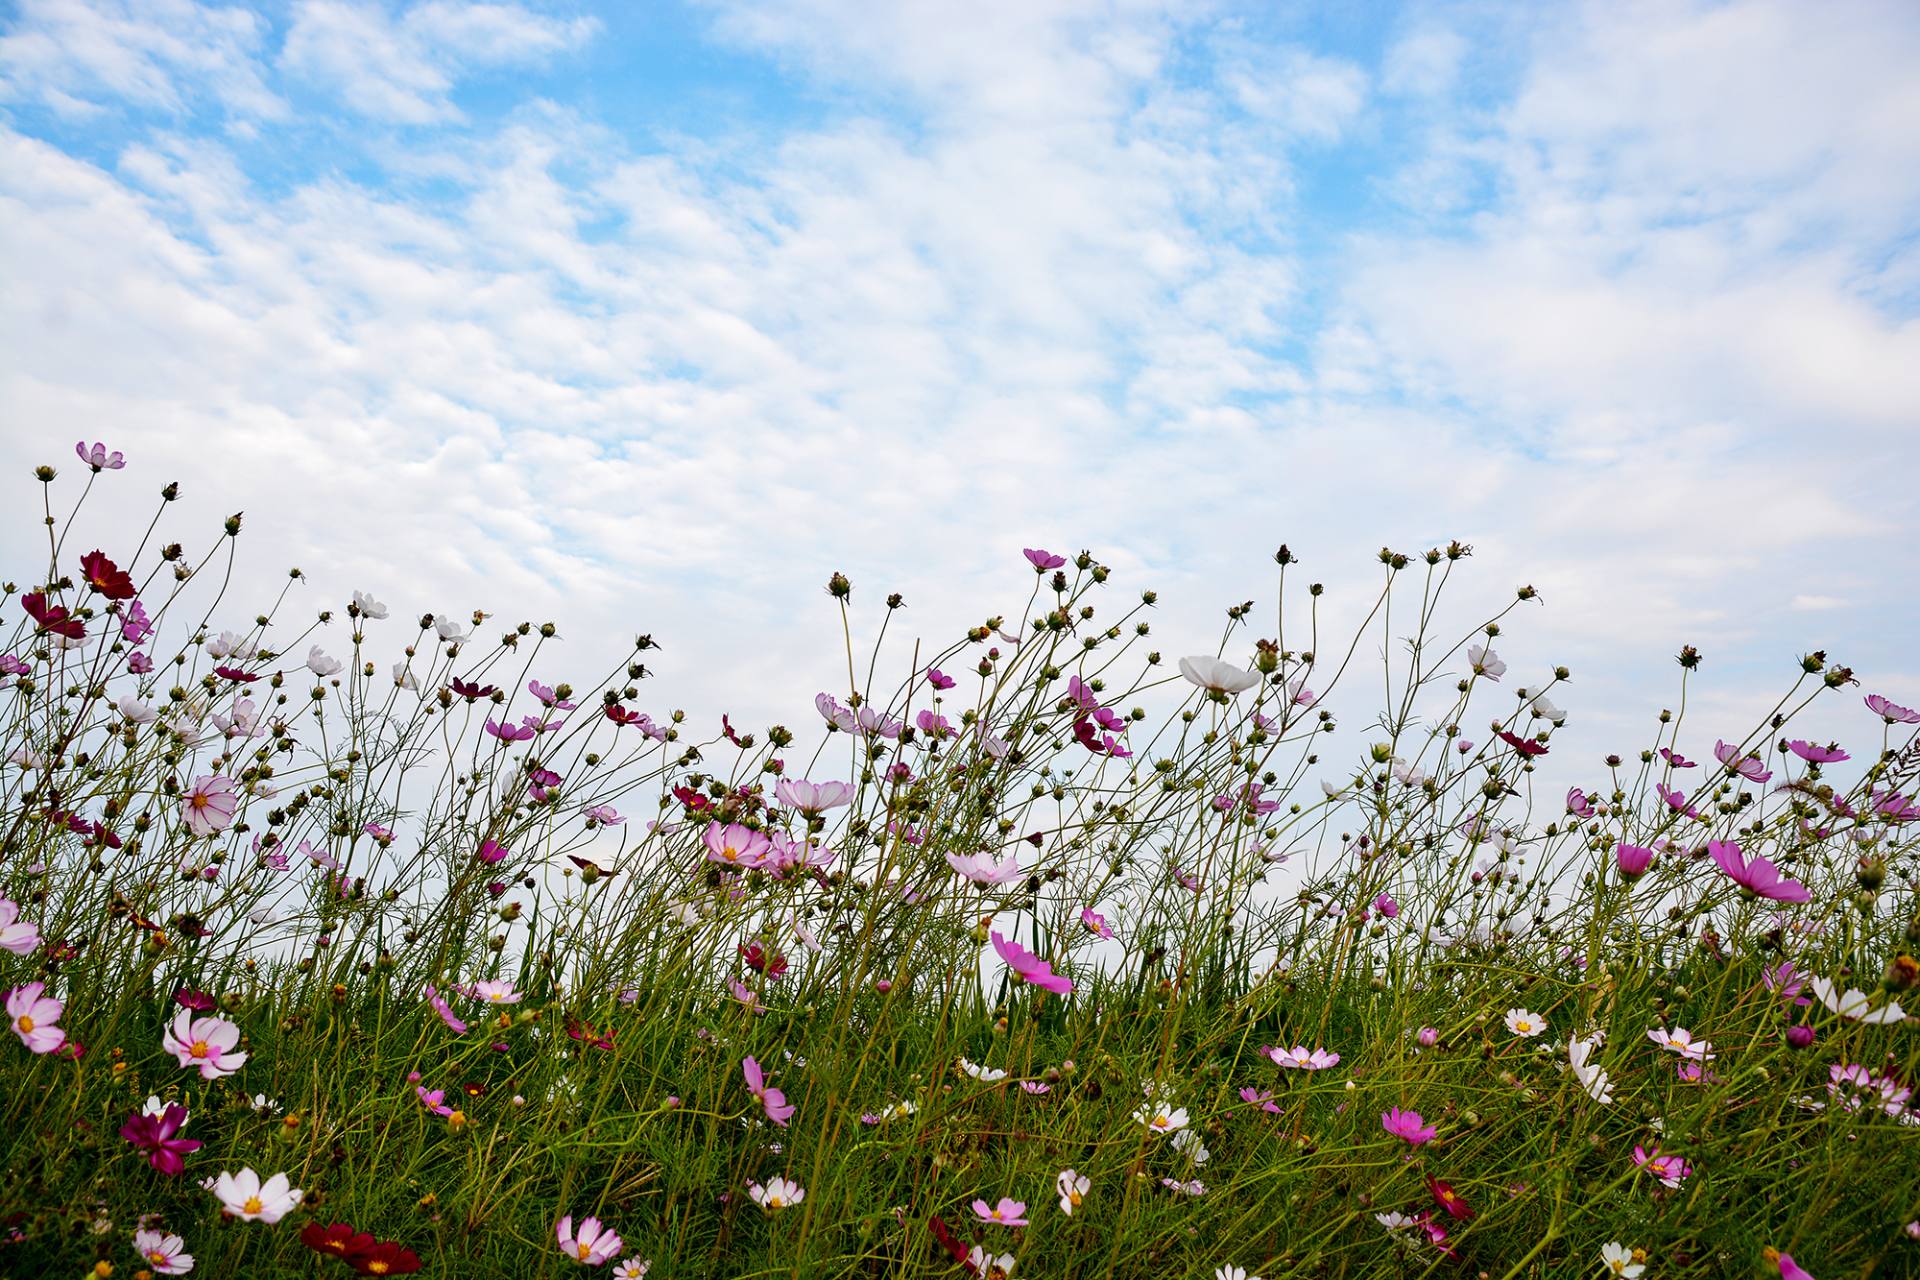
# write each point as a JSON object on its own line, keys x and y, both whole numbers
{"x": 136, "y": 711}
{"x": 1546, "y": 710}
{"x": 1619, "y": 1260}
{"x": 1216, "y": 676}
{"x": 1854, "y": 1005}
{"x": 320, "y": 664}
{"x": 1161, "y": 1119}
{"x": 404, "y": 678}
{"x": 1073, "y": 1189}
{"x": 368, "y": 606}
{"x": 1525, "y": 1022}
{"x": 779, "y": 1193}
{"x": 244, "y": 1196}
{"x": 450, "y": 630}
{"x": 978, "y": 1072}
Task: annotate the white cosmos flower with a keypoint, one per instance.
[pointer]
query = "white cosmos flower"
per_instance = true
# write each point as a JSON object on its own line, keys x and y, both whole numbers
{"x": 320, "y": 664}
{"x": 1618, "y": 1259}
{"x": 1485, "y": 662}
{"x": 450, "y": 630}
{"x": 368, "y": 606}
{"x": 136, "y": 711}
{"x": 404, "y": 678}
{"x": 1217, "y": 676}
{"x": 1546, "y": 710}
{"x": 1854, "y": 1005}
{"x": 244, "y": 1196}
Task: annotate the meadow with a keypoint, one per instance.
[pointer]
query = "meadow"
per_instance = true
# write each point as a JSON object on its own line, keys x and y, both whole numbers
{"x": 362, "y": 942}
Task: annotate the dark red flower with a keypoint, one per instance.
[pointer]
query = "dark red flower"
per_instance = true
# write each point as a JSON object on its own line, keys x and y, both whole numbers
{"x": 1525, "y": 746}
{"x": 387, "y": 1258}
{"x": 956, "y": 1250}
{"x": 756, "y": 957}
{"x": 692, "y": 799}
{"x": 726, "y": 727}
{"x": 106, "y": 577}
{"x": 588, "y": 1035}
{"x": 1449, "y": 1199}
{"x": 472, "y": 692}
{"x": 234, "y": 674}
{"x": 52, "y": 617}
{"x": 198, "y": 1001}
{"x": 337, "y": 1241}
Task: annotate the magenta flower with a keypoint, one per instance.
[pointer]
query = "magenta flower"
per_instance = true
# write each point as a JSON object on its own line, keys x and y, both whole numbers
{"x": 876, "y": 724}
{"x": 1095, "y": 923}
{"x": 1257, "y": 1098}
{"x": 1676, "y": 799}
{"x": 1387, "y": 907}
{"x": 511, "y": 733}
{"x": 1677, "y": 760}
{"x": 492, "y": 851}
{"x": 198, "y": 1001}
{"x": 445, "y": 1010}
{"x": 1891, "y": 712}
{"x": 1043, "y": 560}
{"x": 812, "y": 797}
{"x": 835, "y": 714}
{"x": 33, "y": 1015}
{"x": 98, "y": 458}
{"x": 209, "y": 807}
{"x": 1633, "y": 860}
{"x": 1578, "y": 804}
{"x": 549, "y": 697}
{"x": 938, "y": 679}
{"x": 732, "y": 845}
{"x": 1024, "y": 966}
{"x": 434, "y": 1100}
{"x": 933, "y": 725}
{"x": 1791, "y": 1270}
{"x": 1670, "y": 1170}
{"x": 1008, "y": 1213}
{"x": 1829, "y": 754}
{"x": 595, "y": 1245}
{"x": 1757, "y": 875}
{"x": 1785, "y": 982}
{"x": 139, "y": 663}
{"x": 778, "y": 1109}
{"x": 1407, "y": 1125}
{"x": 1749, "y": 767}
{"x": 135, "y": 625}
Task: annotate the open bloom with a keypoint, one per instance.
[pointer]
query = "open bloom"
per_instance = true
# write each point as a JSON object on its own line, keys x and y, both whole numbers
{"x": 1853, "y": 1005}
{"x": 1160, "y": 1118}
{"x": 1620, "y": 1260}
{"x": 595, "y": 1244}
{"x": 1756, "y": 874}
{"x": 16, "y": 935}
{"x": 777, "y": 1194}
{"x": 491, "y": 991}
{"x": 1633, "y": 859}
{"x": 1073, "y": 1189}
{"x": 1301, "y": 1058}
{"x": 1095, "y": 923}
{"x": 1592, "y": 1078}
{"x": 206, "y": 1043}
{"x": 100, "y": 459}
{"x": 1007, "y": 1213}
{"x": 1681, "y": 1041}
{"x": 634, "y": 1268}
{"x": 1485, "y": 662}
{"x": 1216, "y": 676}
{"x": 210, "y": 805}
{"x": 1891, "y": 712}
{"x": 1670, "y": 1170}
{"x": 1525, "y": 1022}
{"x": 1408, "y": 1126}
{"x": 778, "y": 1109}
{"x": 166, "y": 1255}
{"x": 982, "y": 868}
{"x": 158, "y": 1136}
{"x": 812, "y": 797}
{"x": 33, "y": 1015}
{"x": 1024, "y": 966}
{"x": 1749, "y": 767}
{"x": 990, "y": 1266}
{"x": 732, "y": 845}
{"x": 242, "y": 1195}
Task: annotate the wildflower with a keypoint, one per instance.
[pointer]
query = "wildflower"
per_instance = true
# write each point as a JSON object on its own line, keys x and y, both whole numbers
{"x": 779, "y": 1193}
{"x": 1800, "y": 1036}
{"x": 403, "y": 677}
{"x": 491, "y": 991}
{"x": 1578, "y": 803}
{"x": 1188, "y": 1144}
{"x": 732, "y": 845}
{"x": 100, "y": 460}
{"x": 1007, "y": 1213}
{"x": 1681, "y": 1041}
{"x": 1593, "y": 1079}
{"x": 1620, "y": 1260}
{"x": 434, "y": 1100}
{"x": 939, "y": 680}
{"x": 1813, "y": 754}
{"x": 549, "y": 697}
{"x": 209, "y": 806}
{"x": 1301, "y": 1058}
{"x": 320, "y": 664}
{"x": 1193, "y": 1188}
{"x": 106, "y": 577}
{"x": 812, "y": 798}
{"x": 1670, "y": 1170}
{"x": 1756, "y": 874}
{"x": 1024, "y": 966}
{"x": 978, "y": 1072}
{"x": 1791, "y": 1270}
{"x": 1043, "y": 560}
{"x": 1524, "y": 1022}
{"x": 1217, "y": 676}
{"x": 1160, "y": 1118}
{"x": 33, "y": 1015}
{"x": 385, "y": 1258}
{"x": 1073, "y": 1189}
{"x": 52, "y": 618}
{"x": 1891, "y": 712}
{"x": 983, "y": 868}
{"x": 207, "y": 1043}
{"x": 1231, "y": 1272}
{"x": 594, "y": 1245}
{"x": 1525, "y": 746}
{"x": 778, "y": 1109}
{"x": 746, "y": 996}
{"x": 834, "y": 714}
{"x": 157, "y": 1135}
{"x": 242, "y": 1195}
{"x": 16, "y": 935}
{"x": 1749, "y": 767}
{"x": 1853, "y": 1005}
{"x": 1485, "y": 662}
{"x": 1447, "y": 1198}
{"x": 510, "y": 732}
{"x": 1632, "y": 859}
{"x": 1408, "y": 1125}
{"x": 990, "y": 1266}
{"x": 166, "y": 1254}
{"x": 633, "y": 1268}
{"x": 1427, "y": 1037}
{"x": 1387, "y": 907}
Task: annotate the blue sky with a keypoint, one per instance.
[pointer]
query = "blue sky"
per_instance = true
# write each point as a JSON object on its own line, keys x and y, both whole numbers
{"x": 649, "y": 316}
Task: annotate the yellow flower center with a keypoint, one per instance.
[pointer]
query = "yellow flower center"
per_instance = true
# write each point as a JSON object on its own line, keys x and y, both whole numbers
{"x": 996, "y": 1213}
{"x": 585, "y": 1251}
{"x": 25, "y": 1024}
{"x": 379, "y": 1267}
{"x": 776, "y": 1201}
{"x": 252, "y": 1205}
{"x": 729, "y": 853}
{"x": 199, "y": 1049}
{"x": 156, "y": 1256}
{"x": 199, "y": 801}
{"x": 1074, "y": 1196}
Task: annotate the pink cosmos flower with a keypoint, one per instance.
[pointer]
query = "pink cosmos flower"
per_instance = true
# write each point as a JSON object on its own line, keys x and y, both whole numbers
{"x": 604, "y": 814}
{"x": 1633, "y": 860}
{"x": 938, "y": 679}
{"x": 834, "y": 714}
{"x": 1027, "y": 967}
{"x": 157, "y": 1135}
{"x": 1387, "y": 907}
{"x": 16, "y": 935}
{"x": 445, "y": 1010}
{"x": 1095, "y": 923}
{"x": 1042, "y": 561}
{"x": 1812, "y": 754}
{"x": 548, "y": 697}
{"x": 33, "y": 1014}
{"x": 209, "y": 807}
{"x": 1749, "y": 767}
{"x": 206, "y": 1043}
{"x": 982, "y": 868}
{"x": 745, "y": 995}
{"x": 1676, "y": 799}
{"x": 812, "y": 797}
{"x": 1407, "y": 1125}
{"x": 876, "y": 724}
{"x": 492, "y": 851}
{"x": 139, "y": 663}
{"x": 1301, "y": 1058}
{"x": 135, "y": 625}
{"x": 732, "y": 845}
{"x": 491, "y": 991}
{"x": 511, "y": 732}
{"x": 434, "y": 1100}
{"x": 1255, "y": 1097}
{"x": 778, "y": 1109}
{"x": 1670, "y": 1170}
{"x": 1756, "y": 874}
{"x": 166, "y": 1254}
{"x": 1681, "y": 1041}
{"x": 98, "y": 458}
{"x": 1578, "y": 804}
{"x": 1891, "y": 712}
{"x": 1791, "y": 1270}
{"x": 594, "y": 1245}
{"x": 1007, "y": 1213}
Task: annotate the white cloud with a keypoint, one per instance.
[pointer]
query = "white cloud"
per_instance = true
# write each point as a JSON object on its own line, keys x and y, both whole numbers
{"x": 404, "y": 68}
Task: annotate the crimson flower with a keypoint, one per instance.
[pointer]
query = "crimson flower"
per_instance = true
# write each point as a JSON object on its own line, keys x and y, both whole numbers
{"x": 52, "y": 617}
{"x": 472, "y": 692}
{"x": 1448, "y": 1198}
{"x": 198, "y": 1001}
{"x": 234, "y": 674}
{"x": 758, "y": 960}
{"x": 157, "y": 1136}
{"x": 1525, "y": 746}
{"x": 386, "y": 1258}
{"x": 106, "y": 577}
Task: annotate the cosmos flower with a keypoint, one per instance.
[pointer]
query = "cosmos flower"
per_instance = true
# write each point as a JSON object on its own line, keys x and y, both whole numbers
{"x": 1854, "y": 1005}
{"x": 206, "y": 1043}
{"x": 1681, "y": 1041}
{"x": 164, "y": 1254}
{"x": 491, "y": 991}
{"x": 1024, "y": 966}
{"x": 209, "y": 806}
{"x": 1525, "y": 1022}
{"x": 594, "y": 1245}
{"x": 1593, "y": 1079}
{"x": 812, "y": 797}
{"x": 33, "y": 1015}
{"x": 1632, "y": 859}
{"x": 98, "y": 458}
{"x": 1756, "y": 874}
{"x": 158, "y": 1136}
{"x": 1301, "y": 1058}
{"x": 242, "y": 1195}
{"x": 983, "y": 868}
{"x": 1042, "y": 561}
{"x": 1620, "y": 1260}
{"x": 1814, "y": 754}
{"x": 1007, "y": 1213}
{"x": 778, "y": 1109}
{"x": 1670, "y": 1170}
{"x": 16, "y": 935}
{"x": 732, "y": 845}
{"x": 1073, "y": 1189}
{"x": 978, "y": 1072}
{"x": 777, "y": 1194}
{"x": 1891, "y": 712}
{"x": 1217, "y": 676}
{"x": 1485, "y": 662}
{"x": 1160, "y": 1118}
{"x": 1095, "y": 923}
{"x": 320, "y": 664}
{"x": 1408, "y": 1126}
{"x": 990, "y": 1266}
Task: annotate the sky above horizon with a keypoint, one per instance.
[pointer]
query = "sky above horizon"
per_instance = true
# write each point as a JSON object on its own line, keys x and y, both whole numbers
{"x": 649, "y": 317}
